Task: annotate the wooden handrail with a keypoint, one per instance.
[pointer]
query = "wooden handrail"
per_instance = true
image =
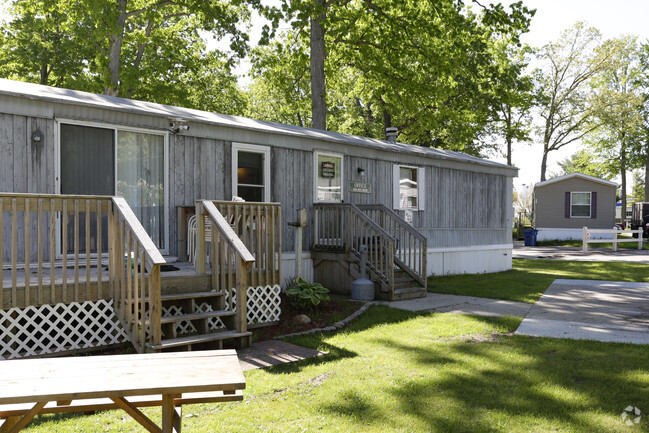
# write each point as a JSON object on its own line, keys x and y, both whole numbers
{"x": 230, "y": 262}
{"x": 344, "y": 227}
{"x": 153, "y": 255}
{"x": 411, "y": 255}
{"x": 136, "y": 292}
{"x": 226, "y": 232}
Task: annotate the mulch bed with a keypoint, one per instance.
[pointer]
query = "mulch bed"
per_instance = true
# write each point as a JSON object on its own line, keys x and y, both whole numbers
{"x": 326, "y": 314}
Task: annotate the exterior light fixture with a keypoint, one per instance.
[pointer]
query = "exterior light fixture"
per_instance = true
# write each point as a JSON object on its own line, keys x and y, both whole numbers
{"x": 37, "y": 137}
{"x": 361, "y": 171}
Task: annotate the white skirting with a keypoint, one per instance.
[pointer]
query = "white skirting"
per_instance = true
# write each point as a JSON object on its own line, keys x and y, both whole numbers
{"x": 477, "y": 259}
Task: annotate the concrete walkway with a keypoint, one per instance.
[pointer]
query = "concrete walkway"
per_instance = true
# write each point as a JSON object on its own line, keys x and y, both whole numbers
{"x": 440, "y": 303}
{"x": 591, "y": 310}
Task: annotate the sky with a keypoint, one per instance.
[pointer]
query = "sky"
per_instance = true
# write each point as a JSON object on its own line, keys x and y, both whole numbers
{"x": 612, "y": 18}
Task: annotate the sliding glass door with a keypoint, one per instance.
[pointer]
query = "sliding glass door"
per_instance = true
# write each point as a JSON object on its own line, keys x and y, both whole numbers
{"x": 109, "y": 161}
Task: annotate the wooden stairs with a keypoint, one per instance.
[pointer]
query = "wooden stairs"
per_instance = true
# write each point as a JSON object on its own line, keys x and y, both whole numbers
{"x": 395, "y": 251}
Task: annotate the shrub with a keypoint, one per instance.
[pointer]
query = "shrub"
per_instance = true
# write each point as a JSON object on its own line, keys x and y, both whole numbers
{"x": 305, "y": 295}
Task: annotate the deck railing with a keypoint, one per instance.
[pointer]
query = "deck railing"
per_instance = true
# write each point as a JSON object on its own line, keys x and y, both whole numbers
{"x": 412, "y": 246}
{"x": 259, "y": 227}
{"x": 134, "y": 268}
{"x": 230, "y": 261}
{"x": 53, "y": 249}
{"x": 344, "y": 227}
{"x": 29, "y": 225}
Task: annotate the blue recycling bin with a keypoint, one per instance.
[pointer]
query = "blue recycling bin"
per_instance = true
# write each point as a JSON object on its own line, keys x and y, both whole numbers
{"x": 530, "y": 237}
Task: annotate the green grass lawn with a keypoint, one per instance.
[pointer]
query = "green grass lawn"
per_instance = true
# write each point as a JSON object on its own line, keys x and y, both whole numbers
{"x": 395, "y": 371}
{"x": 529, "y": 278}
{"x": 579, "y": 244}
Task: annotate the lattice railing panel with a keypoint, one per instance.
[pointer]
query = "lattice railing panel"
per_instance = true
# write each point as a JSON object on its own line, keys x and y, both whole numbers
{"x": 263, "y": 307}
{"x": 56, "y": 328}
{"x": 264, "y": 303}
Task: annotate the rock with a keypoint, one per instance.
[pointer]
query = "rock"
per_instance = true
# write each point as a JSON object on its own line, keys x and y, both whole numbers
{"x": 301, "y": 319}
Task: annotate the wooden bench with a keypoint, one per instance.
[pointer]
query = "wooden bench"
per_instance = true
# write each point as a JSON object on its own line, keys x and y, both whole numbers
{"x": 82, "y": 384}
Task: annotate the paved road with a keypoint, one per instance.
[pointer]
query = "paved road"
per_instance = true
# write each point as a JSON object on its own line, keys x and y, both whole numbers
{"x": 575, "y": 254}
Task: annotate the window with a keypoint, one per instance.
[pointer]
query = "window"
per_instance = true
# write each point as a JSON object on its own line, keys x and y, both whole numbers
{"x": 102, "y": 160}
{"x": 408, "y": 187}
{"x": 580, "y": 204}
{"x": 251, "y": 172}
{"x": 328, "y": 177}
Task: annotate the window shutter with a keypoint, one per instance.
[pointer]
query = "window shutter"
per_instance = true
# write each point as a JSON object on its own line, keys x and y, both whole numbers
{"x": 395, "y": 186}
{"x": 593, "y": 204}
{"x": 567, "y": 205}
{"x": 421, "y": 188}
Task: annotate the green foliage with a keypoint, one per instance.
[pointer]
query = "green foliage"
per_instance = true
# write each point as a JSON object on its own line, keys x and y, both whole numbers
{"x": 305, "y": 295}
{"x": 141, "y": 49}
{"x": 430, "y": 68}
{"x": 638, "y": 192}
{"x": 584, "y": 161}
{"x": 563, "y": 83}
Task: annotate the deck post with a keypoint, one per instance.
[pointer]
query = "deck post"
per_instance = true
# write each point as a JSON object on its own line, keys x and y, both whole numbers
{"x": 200, "y": 241}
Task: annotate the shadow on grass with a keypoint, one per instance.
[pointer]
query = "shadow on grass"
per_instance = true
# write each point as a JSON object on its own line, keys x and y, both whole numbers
{"x": 516, "y": 382}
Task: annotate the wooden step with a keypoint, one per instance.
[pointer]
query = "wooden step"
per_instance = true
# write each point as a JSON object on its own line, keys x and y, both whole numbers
{"x": 405, "y": 282}
{"x": 189, "y": 295}
{"x": 200, "y": 338}
{"x": 197, "y": 316}
{"x": 409, "y": 293}
{"x": 183, "y": 296}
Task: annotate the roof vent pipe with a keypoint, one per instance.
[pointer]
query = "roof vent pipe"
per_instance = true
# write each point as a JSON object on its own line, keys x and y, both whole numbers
{"x": 391, "y": 134}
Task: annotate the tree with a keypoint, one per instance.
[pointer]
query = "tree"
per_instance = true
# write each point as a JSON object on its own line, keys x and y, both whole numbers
{"x": 616, "y": 108}
{"x": 637, "y": 193}
{"x": 563, "y": 87}
{"x": 425, "y": 67}
{"x": 133, "y": 48}
{"x": 584, "y": 162}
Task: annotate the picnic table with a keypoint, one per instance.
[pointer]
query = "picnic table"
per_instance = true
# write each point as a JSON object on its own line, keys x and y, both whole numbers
{"x": 88, "y": 383}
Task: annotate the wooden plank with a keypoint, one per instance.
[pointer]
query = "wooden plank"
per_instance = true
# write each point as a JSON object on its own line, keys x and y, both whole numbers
{"x": 64, "y": 251}
{"x": 27, "y": 241}
{"x": 1, "y": 251}
{"x": 129, "y": 260}
{"x": 25, "y": 419}
{"x": 76, "y": 251}
{"x": 87, "y": 211}
{"x": 14, "y": 251}
{"x": 170, "y": 418}
{"x": 136, "y": 414}
{"x": 100, "y": 235}
{"x": 39, "y": 214}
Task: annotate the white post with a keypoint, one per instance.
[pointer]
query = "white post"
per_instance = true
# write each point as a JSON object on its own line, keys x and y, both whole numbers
{"x": 640, "y": 236}
{"x": 614, "y": 241}
{"x": 584, "y": 246}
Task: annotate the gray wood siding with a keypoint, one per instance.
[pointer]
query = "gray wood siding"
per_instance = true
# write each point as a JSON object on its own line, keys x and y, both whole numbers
{"x": 198, "y": 169}
{"x": 292, "y": 185}
{"x": 26, "y": 167}
{"x": 549, "y": 206}
{"x": 461, "y": 207}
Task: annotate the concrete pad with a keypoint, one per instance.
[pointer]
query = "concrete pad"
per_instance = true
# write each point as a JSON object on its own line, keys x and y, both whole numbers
{"x": 593, "y": 310}
{"x": 442, "y": 303}
{"x": 273, "y": 352}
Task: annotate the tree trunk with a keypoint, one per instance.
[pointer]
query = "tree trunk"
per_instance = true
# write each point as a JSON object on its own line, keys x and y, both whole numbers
{"x": 544, "y": 164}
{"x": 508, "y": 133}
{"x": 646, "y": 174}
{"x": 115, "y": 53}
{"x": 318, "y": 100}
{"x": 623, "y": 174}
